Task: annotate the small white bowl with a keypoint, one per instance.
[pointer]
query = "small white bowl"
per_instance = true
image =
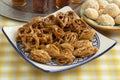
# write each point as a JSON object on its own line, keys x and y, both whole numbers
{"x": 103, "y": 43}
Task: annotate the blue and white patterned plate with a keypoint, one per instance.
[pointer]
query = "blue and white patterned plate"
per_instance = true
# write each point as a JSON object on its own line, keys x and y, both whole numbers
{"x": 95, "y": 43}
{"x": 100, "y": 41}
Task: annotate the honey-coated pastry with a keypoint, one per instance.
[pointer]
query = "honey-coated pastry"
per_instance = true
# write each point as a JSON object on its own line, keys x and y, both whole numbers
{"x": 46, "y": 38}
{"x": 58, "y": 32}
{"x": 71, "y": 17}
{"x": 38, "y": 25}
{"x": 30, "y": 42}
{"x": 65, "y": 46}
{"x": 24, "y": 30}
{"x": 85, "y": 51}
{"x": 87, "y": 34}
{"x": 36, "y": 20}
{"x": 40, "y": 56}
{"x": 62, "y": 38}
{"x": 41, "y": 46}
{"x": 46, "y": 30}
{"x": 70, "y": 37}
{"x": 38, "y": 32}
{"x": 81, "y": 43}
{"x": 50, "y": 20}
{"x": 61, "y": 19}
{"x": 66, "y": 57}
{"x": 78, "y": 25}
{"x": 52, "y": 50}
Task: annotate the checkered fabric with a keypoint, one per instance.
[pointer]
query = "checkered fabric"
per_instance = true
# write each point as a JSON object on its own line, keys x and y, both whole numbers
{"x": 14, "y": 67}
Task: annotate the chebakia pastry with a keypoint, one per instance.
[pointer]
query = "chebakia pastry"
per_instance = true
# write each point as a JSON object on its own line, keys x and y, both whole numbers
{"x": 83, "y": 51}
{"x": 117, "y": 19}
{"x": 61, "y": 37}
{"x": 112, "y": 9}
{"x": 36, "y": 19}
{"x": 52, "y": 50}
{"x": 89, "y": 13}
{"x": 106, "y": 20}
{"x": 102, "y": 3}
{"x": 40, "y": 56}
{"x": 107, "y": 14}
{"x": 91, "y": 4}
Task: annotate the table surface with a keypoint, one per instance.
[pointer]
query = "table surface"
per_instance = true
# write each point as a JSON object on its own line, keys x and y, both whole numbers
{"x": 14, "y": 67}
{"x": 19, "y": 13}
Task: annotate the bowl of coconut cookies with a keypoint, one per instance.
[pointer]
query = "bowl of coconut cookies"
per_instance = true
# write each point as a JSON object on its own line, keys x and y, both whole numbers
{"x": 101, "y": 14}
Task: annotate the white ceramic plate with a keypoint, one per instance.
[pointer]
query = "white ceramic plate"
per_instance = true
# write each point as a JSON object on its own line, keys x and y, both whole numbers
{"x": 103, "y": 43}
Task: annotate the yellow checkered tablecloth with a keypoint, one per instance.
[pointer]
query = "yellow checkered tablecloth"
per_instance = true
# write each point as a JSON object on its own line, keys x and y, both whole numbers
{"x": 14, "y": 67}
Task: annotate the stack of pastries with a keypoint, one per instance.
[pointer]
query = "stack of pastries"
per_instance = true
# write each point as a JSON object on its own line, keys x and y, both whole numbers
{"x": 62, "y": 37}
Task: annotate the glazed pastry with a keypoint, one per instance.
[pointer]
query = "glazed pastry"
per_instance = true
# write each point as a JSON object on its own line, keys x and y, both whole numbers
{"x": 81, "y": 43}
{"x": 36, "y": 19}
{"x": 58, "y": 32}
{"x": 85, "y": 51}
{"x": 70, "y": 37}
{"x": 40, "y": 56}
{"x": 52, "y": 50}
{"x": 56, "y": 38}
{"x": 78, "y": 25}
{"x": 71, "y": 17}
{"x": 87, "y": 34}
{"x": 66, "y": 46}
{"x": 50, "y": 20}
{"x": 66, "y": 57}
{"x": 61, "y": 19}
